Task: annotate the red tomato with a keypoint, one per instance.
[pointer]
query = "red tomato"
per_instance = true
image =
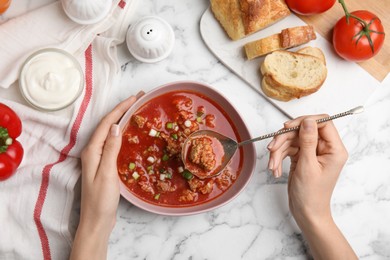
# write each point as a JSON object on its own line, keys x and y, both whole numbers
{"x": 309, "y": 7}
{"x": 351, "y": 39}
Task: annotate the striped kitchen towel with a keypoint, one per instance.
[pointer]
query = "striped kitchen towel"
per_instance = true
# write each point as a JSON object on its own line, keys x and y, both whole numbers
{"x": 37, "y": 204}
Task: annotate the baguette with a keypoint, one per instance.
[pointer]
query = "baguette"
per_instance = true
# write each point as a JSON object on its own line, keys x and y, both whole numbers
{"x": 288, "y": 75}
{"x": 240, "y": 18}
{"x": 287, "y": 38}
{"x": 313, "y": 51}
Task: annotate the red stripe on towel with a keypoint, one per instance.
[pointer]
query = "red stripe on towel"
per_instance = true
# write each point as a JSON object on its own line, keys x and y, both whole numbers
{"x": 63, "y": 155}
{"x": 122, "y": 4}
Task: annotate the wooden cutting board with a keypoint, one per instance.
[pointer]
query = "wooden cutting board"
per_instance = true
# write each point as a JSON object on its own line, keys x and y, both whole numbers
{"x": 378, "y": 66}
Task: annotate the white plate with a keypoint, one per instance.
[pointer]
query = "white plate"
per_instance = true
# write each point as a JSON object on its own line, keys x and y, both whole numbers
{"x": 347, "y": 84}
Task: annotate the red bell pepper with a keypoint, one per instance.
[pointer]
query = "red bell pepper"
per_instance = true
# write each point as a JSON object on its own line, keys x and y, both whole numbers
{"x": 11, "y": 151}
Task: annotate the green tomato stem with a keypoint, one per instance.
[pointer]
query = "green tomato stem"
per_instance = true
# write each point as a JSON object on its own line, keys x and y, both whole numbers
{"x": 348, "y": 14}
{"x": 365, "y": 26}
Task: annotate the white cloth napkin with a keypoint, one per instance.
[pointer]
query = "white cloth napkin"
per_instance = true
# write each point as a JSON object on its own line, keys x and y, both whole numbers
{"x": 36, "y": 203}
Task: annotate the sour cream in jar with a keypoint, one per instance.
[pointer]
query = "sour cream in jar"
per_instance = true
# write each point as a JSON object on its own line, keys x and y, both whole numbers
{"x": 51, "y": 79}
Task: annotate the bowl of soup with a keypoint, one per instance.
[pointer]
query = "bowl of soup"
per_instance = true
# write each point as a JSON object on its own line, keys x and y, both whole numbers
{"x": 151, "y": 172}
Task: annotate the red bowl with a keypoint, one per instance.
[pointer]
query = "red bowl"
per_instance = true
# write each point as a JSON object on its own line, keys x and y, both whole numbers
{"x": 248, "y": 155}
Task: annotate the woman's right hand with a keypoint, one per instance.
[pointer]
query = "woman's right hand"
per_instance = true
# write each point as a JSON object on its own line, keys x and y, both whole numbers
{"x": 317, "y": 158}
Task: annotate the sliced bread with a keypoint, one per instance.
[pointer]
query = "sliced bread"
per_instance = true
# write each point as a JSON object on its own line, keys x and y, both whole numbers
{"x": 313, "y": 51}
{"x": 287, "y": 38}
{"x": 289, "y": 75}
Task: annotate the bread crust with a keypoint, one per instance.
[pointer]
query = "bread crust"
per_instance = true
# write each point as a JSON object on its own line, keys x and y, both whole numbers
{"x": 228, "y": 13}
{"x": 295, "y": 36}
{"x": 273, "y": 92}
{"x": 261, "y": 47}
{"x": 287, "y": 38}
{"x": 313, "y": 51}
{"x": 240, "y": 18}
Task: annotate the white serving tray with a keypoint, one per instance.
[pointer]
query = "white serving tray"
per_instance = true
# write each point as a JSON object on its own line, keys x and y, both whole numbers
{"x": 347, "y": 84}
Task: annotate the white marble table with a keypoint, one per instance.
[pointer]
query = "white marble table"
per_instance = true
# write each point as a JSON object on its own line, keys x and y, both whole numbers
{"x": 257, "y": 224}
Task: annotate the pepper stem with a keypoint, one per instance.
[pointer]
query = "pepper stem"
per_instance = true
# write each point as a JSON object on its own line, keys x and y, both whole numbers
{"x": 5, "y": 140}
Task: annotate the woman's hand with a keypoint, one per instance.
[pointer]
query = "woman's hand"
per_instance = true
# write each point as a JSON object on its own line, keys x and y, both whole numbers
{"x": 100, "y": 186}
{"x": 317, "y": 158}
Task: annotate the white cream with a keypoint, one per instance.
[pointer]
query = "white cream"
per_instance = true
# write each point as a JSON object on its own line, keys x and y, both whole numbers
{"x": 51, "y": 80}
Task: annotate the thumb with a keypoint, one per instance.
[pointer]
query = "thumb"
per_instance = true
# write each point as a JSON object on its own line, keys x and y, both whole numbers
{"x": 308, "y": 138}
{"x": 111, "y": 148}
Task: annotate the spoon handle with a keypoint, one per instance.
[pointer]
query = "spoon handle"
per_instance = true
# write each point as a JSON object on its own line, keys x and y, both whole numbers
{"x": 353, "y": 111}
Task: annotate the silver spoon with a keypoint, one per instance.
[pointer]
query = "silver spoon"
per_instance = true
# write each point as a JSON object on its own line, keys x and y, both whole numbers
{"x": 230, "y": 146}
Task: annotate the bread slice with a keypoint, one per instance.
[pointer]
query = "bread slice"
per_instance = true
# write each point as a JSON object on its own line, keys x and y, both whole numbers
{"x": 313, "y": 51}
{"x": 240, "y": 18}
{"x": 288, "y": 75}
{"x": 287, "y": 38}
{"x": 275, "y": 93}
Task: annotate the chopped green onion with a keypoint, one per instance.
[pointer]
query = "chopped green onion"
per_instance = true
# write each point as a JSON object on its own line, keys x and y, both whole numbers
{"x": 135, "y": 175}
{"x": 131, "y": 166}
{"x": 174, "y": 136}
{"x": 199, "y": 114}
{"x": 169, "y": 125}
{"x": 165, "y": 157}
{"x": 199, "y": 119}
{"x": 158, "y": 134}
{"x": 151, "y": 172}
{"x": 162, "y": 170}
{"x": 168, "y": 175}
{"x": 150, "y": 167}
{"x": 187, "y": 175}
{"x": 157, "y": 196}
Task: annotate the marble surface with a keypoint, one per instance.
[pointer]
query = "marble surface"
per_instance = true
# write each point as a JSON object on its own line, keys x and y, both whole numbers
{"x": 257, "y": 224}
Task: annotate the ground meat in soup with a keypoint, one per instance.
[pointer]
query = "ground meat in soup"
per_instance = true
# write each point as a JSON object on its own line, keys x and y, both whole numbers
{"x": 139, "y": 121}
{"x": 188, "y": 196}
{"x": 165, "y": 186}
{"x": 202, "y": 153}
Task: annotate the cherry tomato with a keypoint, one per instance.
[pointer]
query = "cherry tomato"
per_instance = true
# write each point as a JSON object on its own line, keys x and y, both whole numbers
{"x": 309, "y": 7}
{"x": 351, "y": 39}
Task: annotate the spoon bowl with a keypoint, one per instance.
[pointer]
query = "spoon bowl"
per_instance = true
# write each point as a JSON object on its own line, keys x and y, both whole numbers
{"x": 229, "y": 148}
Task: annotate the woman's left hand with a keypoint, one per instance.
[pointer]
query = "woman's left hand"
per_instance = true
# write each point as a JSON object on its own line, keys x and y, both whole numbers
{"x": 100, "y": 185}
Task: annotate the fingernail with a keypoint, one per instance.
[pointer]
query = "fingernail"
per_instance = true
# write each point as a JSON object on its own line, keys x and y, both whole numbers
{"x": 139, "y": 94}
{"x": 276, "y": 173}
{"x": 288, "y": 122}
{"x": 271, "y": 164}
{"x": 115, "y": 130}
{"x": 308, "y": 124}
{"x": 271, "y": 144}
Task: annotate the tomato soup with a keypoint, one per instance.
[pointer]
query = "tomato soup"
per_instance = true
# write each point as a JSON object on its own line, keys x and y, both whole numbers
{"x": 149, "y": 162}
